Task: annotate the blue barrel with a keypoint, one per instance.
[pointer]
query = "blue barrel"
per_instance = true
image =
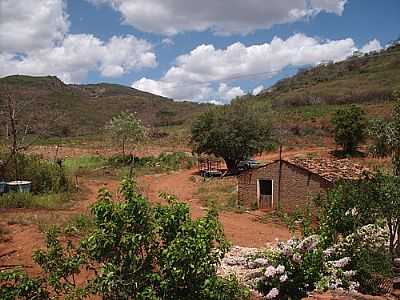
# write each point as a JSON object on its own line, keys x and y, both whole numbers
{"x": 3, "y": 187}
{"x": 19, "y": 186}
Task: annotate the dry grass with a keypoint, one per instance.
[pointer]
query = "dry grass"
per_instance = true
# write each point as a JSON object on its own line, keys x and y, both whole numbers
{"x": 218, "y": 192}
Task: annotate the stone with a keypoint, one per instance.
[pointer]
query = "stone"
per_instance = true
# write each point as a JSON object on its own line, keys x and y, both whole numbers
{"x": 396, "y": 283}
{"x": 396, "y": 262}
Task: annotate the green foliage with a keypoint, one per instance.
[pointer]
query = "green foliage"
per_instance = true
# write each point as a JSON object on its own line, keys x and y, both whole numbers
{"x": 351, "y": 205}
{"x": 349, "y": 127}
{"x": 126, "y": 128}
{"x": 16, "y": 284}
{"x": 46, "y": 176}
{"x": 298, "y": 219}
{"x": 164, "y": 162}
{"x": 370, "y": 256}
{"x": 83, "y": 164}
{"x": 136, "y": 251}
{"x": 380, "y": 131}
{"x": 298, "y": 267}
{"x": 396, "y": 134}
{"x": 29, "y": 200}
{"x": 234, "y": 132}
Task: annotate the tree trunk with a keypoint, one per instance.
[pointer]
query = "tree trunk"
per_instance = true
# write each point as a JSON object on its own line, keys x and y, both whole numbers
{"x": 123, "y": 147}
{"x": 231, "y": 164}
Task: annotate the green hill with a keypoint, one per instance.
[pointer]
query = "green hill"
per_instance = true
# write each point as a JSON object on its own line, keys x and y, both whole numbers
{"x": 359, "y": 79}
{"x": 71, "y": 110}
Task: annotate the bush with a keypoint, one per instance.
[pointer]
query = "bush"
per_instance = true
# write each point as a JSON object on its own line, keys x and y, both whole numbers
{"x": 298, "y": 267}
{"x": 46, "y": 176}
{"x": 134, "y": 251}
{"x": 349, "y": 126}
{"x": 164, "y": 162}
{"x": 83, "y": 164}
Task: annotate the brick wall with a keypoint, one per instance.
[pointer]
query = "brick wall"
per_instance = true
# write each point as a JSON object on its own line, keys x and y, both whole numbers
{"x": 298, "y": 186}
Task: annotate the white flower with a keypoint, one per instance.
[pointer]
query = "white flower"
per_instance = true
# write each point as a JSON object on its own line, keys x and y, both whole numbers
{"x": 328, "y": 252}
{"x": 280, "y": 269}
{"x": 308, "y": 243}
{"x": 272, "y": 293}
{"x": 270, "y": 271}
{"x": 296, "y": 257}
{"x": 283, "y": 278}
{"x": 341, "y": 262}
{"x": 349, "y": 273}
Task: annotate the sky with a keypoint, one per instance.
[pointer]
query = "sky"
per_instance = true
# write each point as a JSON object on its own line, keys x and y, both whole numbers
{"x": 204, "y": 51}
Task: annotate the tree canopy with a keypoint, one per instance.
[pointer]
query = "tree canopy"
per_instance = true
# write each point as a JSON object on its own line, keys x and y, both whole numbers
{"x": 234, "y": 132}
{"x": 126, "y": 128}
{"x": 349, "y": 128}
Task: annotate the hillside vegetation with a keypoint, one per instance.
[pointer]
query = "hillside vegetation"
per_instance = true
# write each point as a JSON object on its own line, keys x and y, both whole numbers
{"x": 71, "y": 110}
{"x": 360, "y": 78}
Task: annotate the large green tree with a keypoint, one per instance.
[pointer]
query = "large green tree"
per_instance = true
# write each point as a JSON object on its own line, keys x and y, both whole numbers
{"x": 126, "y": 128}
{"x": 233, "y": 132}
{"x": 349, "y": 128}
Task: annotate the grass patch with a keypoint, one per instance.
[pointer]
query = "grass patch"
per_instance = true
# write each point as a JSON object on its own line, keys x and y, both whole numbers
{"x": 163, "y": 163}
{"x": 78, "y": 225}
{"x": 84, "y": 164}
{"x": 28, "y": 200}
{"x": 219, "y": 193}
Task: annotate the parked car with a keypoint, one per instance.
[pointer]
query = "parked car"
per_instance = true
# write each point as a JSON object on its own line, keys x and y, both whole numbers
{"x": 247, "y": 164}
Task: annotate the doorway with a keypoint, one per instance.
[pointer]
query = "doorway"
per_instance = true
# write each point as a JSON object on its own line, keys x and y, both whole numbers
{"x": 265, "y": 189}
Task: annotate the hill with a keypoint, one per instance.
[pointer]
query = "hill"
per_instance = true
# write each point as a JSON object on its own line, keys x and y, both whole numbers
{"x": 71, "y": 110}
{"x": 361, "y": 78}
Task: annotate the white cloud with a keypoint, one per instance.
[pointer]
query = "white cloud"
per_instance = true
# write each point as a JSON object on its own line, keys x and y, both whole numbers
{"x": 194, "y": 73}
{"x": 168, "y": 42}
{"x": 80, "y": 53}
{"x": 31, "y": 25}
{"x": 373, "y": 45}
{"x": 258, "y": 90}
{"x": 34, "y": 40}
{"x": 222, "y": 16}
{"x": 227, "y": 93}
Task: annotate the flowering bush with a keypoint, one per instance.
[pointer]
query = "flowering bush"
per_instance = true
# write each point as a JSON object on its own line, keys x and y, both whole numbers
{"x": 369, "y": 249}
{"x": 298, "y": 267}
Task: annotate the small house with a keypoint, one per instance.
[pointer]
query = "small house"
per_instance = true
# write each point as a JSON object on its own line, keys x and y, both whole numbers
{"x": 292, "y": 183}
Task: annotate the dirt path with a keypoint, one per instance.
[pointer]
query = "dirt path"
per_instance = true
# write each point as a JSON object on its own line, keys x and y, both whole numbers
{"x": 23, "y": 225}
{"x": 241, "y": 229}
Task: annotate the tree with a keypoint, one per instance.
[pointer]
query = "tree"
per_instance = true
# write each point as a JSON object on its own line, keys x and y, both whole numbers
{"x": 126, "y": 128}
{"x": 135, "y": 251}
{"x": 396, "y": 135}
{"x": 234, "y": 132}
{"x": 380, "y": 131}
{"x": 349, "y": 128}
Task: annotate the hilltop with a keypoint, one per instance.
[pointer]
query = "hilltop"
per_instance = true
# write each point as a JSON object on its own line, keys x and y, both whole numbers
{"x": 361, "y": 78}
{"x": 71, "y": 110}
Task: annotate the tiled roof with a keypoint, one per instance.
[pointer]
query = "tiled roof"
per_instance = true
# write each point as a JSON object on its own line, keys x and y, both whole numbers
{"x": 331, "y": 169}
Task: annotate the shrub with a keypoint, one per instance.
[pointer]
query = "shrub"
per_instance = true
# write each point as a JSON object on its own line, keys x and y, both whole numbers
{"x": 164, "y": 162}
{"x": 379, "y": 130}
{"x": 136, "y": 251}
{"x": 369, "y": 249}
{"x": 46, "y": 176}
{"x": 349, "y": 126}
{"x": 298, "y": 267}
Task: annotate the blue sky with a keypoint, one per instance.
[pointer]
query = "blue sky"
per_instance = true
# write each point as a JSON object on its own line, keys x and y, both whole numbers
{"x": 186, "y": 50}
